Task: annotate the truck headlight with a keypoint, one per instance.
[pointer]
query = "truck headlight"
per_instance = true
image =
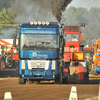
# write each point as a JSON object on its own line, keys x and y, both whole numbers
{"x": 22, "y": 64}
{"x": 53, "y": 65}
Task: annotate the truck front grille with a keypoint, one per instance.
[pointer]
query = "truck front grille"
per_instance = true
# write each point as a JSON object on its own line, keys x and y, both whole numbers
{"x": 38, "y": 64}
{"x": 35, "y": 64}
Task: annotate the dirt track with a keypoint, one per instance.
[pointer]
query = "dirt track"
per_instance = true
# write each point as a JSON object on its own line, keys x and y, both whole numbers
{"x": 47, "y": 91}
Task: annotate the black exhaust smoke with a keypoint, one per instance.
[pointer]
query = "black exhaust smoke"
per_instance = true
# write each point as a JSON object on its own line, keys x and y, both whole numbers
{"x": 55, "y": 6}
{"x": 58, "y": 6}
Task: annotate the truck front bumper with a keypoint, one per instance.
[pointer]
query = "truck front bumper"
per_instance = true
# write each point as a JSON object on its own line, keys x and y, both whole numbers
{"x": 45, "y": 75}
{"x": 38, "y": 77}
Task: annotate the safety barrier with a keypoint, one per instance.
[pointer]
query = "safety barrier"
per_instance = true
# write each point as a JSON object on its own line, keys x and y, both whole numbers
{"x": 8, "y": 96}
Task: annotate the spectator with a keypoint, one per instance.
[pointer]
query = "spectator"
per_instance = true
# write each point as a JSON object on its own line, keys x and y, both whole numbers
{"x": 10, "y": 51}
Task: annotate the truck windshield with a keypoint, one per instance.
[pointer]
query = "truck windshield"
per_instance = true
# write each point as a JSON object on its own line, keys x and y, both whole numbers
{"x": 71, "y": 37}
{"x": 98, "y": 48}
{"x": 39, "y": 42}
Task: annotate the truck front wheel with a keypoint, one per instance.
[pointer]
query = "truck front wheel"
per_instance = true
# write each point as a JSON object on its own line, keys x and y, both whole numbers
{"x": 22, "y": 81}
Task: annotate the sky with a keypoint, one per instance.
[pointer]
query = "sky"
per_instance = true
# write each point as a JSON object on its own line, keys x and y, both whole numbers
{"x": 85, "y": 3}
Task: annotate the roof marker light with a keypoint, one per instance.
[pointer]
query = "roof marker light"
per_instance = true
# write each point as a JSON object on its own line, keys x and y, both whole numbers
{"x": 31, "y": 22}
{"x": 35, "y": 22}
{"x": 47, "y": 23}
{"x": 43, "y": 22}
{"x": 39, "y": 22}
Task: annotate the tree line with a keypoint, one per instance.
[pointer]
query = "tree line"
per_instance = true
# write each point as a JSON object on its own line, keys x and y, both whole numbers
{"x": 71, "y": 16}
{"x": 76, "y": 16}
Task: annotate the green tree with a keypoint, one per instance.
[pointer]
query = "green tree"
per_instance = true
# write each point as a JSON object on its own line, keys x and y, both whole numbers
{"x": 69, "y": 17}
{"x": 7, "y": 17}
{"x": 76, "y": 16}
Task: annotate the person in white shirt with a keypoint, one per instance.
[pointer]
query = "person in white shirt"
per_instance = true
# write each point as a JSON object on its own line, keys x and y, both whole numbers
{"x": 73, "y": 38}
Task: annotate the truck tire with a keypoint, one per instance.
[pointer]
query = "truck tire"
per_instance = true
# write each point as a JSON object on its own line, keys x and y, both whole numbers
{"x": 58, "y": 78}
{"x": 86, "y": 75}
{"x": 86, "y": 71}
{"x": 66, "y": 80}
{"x": 22, "y": 81}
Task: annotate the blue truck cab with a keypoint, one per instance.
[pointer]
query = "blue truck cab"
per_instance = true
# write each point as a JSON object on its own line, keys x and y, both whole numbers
{"x": 40, "y": 46}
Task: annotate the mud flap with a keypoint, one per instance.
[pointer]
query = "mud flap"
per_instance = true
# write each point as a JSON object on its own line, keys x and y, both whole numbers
{"x": 79, "y": 74}
{"x": 76, "y": 74}
{"x": 72, "y": 73}
{"x": 85, "y": 71}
